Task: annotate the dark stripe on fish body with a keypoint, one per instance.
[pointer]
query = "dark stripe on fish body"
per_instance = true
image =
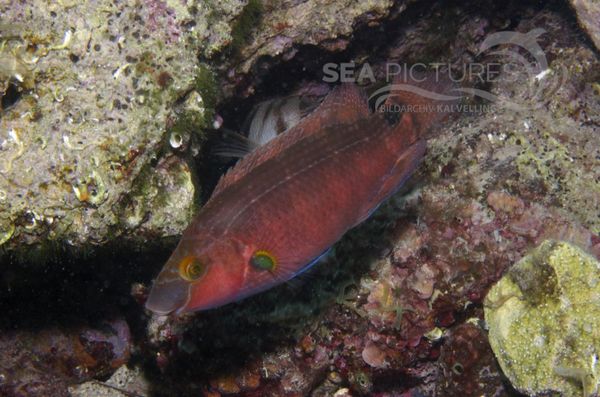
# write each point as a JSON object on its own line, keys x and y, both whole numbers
{"x": 271, "y": 118}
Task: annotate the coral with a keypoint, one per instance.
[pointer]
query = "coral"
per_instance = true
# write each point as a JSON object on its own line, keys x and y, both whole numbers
{"x": 542, "y": 317}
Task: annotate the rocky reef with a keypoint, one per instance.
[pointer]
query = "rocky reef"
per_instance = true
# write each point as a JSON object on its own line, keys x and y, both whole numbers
{"x": 87, "y": 98}
{"x": 105, "y": 139}
{"x": 46, "y": 362}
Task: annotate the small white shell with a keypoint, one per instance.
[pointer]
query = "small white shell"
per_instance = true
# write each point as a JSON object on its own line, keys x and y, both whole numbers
{"x": 175, "y": 140}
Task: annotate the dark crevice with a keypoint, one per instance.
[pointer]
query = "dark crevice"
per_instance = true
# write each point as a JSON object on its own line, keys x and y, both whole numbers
{"x": 273, "y": 77}
{"x": 10, "y": 97}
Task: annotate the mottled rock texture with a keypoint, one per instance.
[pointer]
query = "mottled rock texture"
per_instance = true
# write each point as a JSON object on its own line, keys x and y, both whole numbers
{"x": 397, "y": 309}
{"x": 588, "y": 15}
{"x": 543, "y": 317}
{"x": 97, "y": 86}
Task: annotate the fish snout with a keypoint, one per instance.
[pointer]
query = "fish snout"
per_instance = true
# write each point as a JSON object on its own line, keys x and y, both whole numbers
{"x": 167, "y": 296}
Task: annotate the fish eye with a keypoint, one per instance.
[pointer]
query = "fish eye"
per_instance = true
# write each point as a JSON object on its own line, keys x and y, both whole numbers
{"x": 263, "y": 260}
{"x": 191, "y": 269}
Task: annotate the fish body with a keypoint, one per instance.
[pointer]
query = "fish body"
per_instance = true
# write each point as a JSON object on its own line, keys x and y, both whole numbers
{"x": 288, "y": 201}
{"x": 275, "y": 116}
{"x": 266, "y": 121}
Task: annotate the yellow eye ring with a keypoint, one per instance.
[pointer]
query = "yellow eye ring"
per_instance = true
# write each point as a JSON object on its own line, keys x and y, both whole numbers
{"x": 263, "y": 260}
{"x": 191, "y": 269}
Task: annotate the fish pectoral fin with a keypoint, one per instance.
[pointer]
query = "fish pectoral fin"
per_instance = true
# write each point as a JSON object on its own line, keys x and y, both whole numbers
{"x": 308, "y": 272}
{"x": 404, "y": 166}
{"x": 296, "y": 278}
{"x": 233, "y": 144}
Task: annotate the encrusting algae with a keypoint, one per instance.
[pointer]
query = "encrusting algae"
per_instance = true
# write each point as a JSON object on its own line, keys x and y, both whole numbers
{"x": 543, "y": 319}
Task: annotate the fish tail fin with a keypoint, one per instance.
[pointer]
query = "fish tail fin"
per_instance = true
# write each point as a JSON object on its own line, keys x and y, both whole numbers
{"x": 430, "y": 98}
{"x": 233, "y": 144}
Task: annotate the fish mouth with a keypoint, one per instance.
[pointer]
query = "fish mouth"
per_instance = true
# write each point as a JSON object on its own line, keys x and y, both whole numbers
{"x": 167, "y": 296}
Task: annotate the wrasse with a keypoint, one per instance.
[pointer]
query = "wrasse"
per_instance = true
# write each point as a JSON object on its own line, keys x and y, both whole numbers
{"x": 286, "y": 203}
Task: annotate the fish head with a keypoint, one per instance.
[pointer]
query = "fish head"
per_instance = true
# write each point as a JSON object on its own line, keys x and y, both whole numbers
{"x": 201, "y": 274}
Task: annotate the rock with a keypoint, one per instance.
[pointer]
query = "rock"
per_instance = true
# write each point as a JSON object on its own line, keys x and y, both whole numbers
{"x": 91, "y": 92}
{"x": 162, "y": 199}
{"x": 588, "y": 15}
{"x": 46, "y": 362}
{"x": 543, "y": 318}
{"x": 343, "y": 392}
{"x": 468, "y": 364}
{"x": 494, "y": 184}
{"x": 125, "y": 382}
{"x": 374, "y": 356}
{"x": 104, "y": 84}
{"x": 278, "y": 29}
{"x": 97, "y": 143}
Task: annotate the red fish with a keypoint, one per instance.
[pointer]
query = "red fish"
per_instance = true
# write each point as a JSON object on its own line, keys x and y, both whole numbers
{"x": 283, "y": 205}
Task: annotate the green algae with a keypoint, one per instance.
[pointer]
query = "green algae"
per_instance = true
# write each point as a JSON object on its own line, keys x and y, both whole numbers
{"x": 162, "y": 198}
{"x": 553, "y": 163}
{"x": 206, "y": 83}
{"x": 6, "y": 232}
{"x": 249, "y": 19}
{"x": 543, "y": 321}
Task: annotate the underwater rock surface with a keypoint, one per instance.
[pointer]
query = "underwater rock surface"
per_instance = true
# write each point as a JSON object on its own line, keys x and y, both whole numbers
{"x": 44, "y": 363}
{"x": 397, "y": 309}
{"x": 588, "y": 14}
{"x": 97, "y": 84}
{"x": 94, "y": 93}
{"x": 277, "y": 29}
{"x": 543, "y": 318}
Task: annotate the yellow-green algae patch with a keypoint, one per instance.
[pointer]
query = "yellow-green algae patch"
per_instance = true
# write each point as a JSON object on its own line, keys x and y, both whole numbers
{"x": 544, "y": 321}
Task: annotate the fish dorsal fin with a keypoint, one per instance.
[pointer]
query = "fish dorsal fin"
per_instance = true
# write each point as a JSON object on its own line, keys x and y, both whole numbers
{"x": 345, "y": 104}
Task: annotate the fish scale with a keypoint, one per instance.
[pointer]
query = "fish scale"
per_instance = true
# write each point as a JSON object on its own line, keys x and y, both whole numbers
{"x": 264, "y": 178}
{"x": 341, "y": 194}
